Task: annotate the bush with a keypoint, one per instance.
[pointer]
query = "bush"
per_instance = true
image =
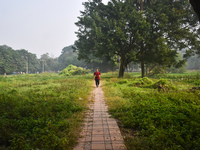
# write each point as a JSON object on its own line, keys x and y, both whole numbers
{"x": 73, "y": 70}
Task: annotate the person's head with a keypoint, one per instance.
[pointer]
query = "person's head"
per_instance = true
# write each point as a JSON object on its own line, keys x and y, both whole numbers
{"x": 97, "y": 70}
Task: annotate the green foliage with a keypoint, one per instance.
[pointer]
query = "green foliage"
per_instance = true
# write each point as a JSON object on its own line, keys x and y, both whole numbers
{"x": 73, "y": 70}
{"x": 123, "y": 81}
{"x": 16, "y": 61}
{"x": 68, "y": 57}
{"x": 156, "y": 120}
{"x": 119, "y": 28}
{"x": 41, "y": 111}
{"x": 140, "y": 82}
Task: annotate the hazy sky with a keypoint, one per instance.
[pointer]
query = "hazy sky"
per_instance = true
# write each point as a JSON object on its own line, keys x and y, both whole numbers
{"x": 39, "y": 26}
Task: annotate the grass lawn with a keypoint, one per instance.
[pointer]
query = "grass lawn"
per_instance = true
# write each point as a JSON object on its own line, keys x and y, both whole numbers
{"x": 42, "y": 111}
{"x": 158, "y": 113}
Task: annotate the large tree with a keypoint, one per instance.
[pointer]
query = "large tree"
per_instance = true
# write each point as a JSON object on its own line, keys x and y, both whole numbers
{"x": 173, "y": 23}
{"x": 109, "y": 30}
{"x": 151, "y": 34}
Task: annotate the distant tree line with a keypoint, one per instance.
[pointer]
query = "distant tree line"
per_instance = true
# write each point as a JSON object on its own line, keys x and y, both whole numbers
{"x": 22, "y": 61}
{"x": 17, "y": 60}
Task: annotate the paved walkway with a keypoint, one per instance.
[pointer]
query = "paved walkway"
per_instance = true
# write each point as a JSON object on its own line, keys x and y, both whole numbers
{"x": 100, "y": 132}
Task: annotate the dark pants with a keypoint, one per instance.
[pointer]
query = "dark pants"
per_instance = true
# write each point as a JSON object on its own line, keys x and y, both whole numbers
{"x": 97, "y": 82}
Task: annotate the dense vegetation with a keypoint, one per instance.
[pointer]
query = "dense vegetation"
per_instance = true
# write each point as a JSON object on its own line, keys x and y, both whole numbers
{"x": 156, "y": 113}
{"x": 41, "y": 111}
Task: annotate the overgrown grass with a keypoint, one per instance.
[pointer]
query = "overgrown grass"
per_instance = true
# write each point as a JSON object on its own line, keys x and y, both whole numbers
{"x": 42, "y": 111}
{"x": 169, "y": 119}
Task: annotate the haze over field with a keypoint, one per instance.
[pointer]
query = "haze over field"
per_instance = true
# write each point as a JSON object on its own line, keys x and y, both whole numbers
{"x": 39, "y": 26}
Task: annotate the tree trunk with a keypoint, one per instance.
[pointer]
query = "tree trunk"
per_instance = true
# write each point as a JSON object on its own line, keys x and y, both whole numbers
{"x": 122, "y": 68}
{"x": 142, "y": 51}
{"x": 141, "y": 6}
{"x": 142, "y": 68}
{"x": 142, "y": 61}
{"x": 147, "y": 70}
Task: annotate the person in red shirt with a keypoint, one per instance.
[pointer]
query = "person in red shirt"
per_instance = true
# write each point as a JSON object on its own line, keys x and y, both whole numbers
{"x": 97, "y": 77}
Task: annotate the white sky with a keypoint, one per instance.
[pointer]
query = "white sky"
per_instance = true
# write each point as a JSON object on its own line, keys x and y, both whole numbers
{"x": 39, "y": 26}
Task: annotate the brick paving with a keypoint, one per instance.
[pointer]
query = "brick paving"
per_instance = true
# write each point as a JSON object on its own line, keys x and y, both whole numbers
{"x": 100, "y": 131}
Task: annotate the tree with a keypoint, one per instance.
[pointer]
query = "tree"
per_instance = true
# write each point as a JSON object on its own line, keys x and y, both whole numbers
{"x": 119, "y": 28}
{"x": 11, "y": 61}
{"x": 106, "y": 31}
{"x": 30, "y": 60}
{"x": 16, "y": 60}
{"x": 69, "y": 57}
{"x": 171, "y": 23}
{"x": 47, "y": 62}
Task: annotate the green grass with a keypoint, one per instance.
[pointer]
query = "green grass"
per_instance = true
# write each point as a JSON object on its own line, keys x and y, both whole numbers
{"x": 149, "y": 119}
{"x": 45, "y": 111}
{"x": 42, "y": 111}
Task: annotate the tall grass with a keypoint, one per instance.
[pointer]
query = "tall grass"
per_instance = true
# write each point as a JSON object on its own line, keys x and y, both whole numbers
{"x": 169, "y": 119}
{"x": 41, "y": 111}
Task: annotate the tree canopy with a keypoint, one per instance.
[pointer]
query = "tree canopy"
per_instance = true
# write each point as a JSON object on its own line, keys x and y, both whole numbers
{"x": 152, "y": 36}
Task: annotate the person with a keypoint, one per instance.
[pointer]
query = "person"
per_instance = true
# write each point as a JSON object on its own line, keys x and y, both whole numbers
{"x": 97, "y": 75}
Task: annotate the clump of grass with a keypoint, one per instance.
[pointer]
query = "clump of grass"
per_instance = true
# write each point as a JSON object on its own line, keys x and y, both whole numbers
{"x": 140, "y": 81}
{"x": 162, "y": 84}
{"x": 123, "y": 81}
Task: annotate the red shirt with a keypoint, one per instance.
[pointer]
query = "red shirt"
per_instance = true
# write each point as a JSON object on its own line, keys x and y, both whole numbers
{"x": 97, "y": 75}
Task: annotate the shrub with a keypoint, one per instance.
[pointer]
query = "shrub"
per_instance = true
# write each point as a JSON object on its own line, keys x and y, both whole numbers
{"x": 73, "y": 70}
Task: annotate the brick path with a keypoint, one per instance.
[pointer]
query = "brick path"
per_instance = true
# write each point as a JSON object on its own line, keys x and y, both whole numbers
{"x": 100, "y": 132}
